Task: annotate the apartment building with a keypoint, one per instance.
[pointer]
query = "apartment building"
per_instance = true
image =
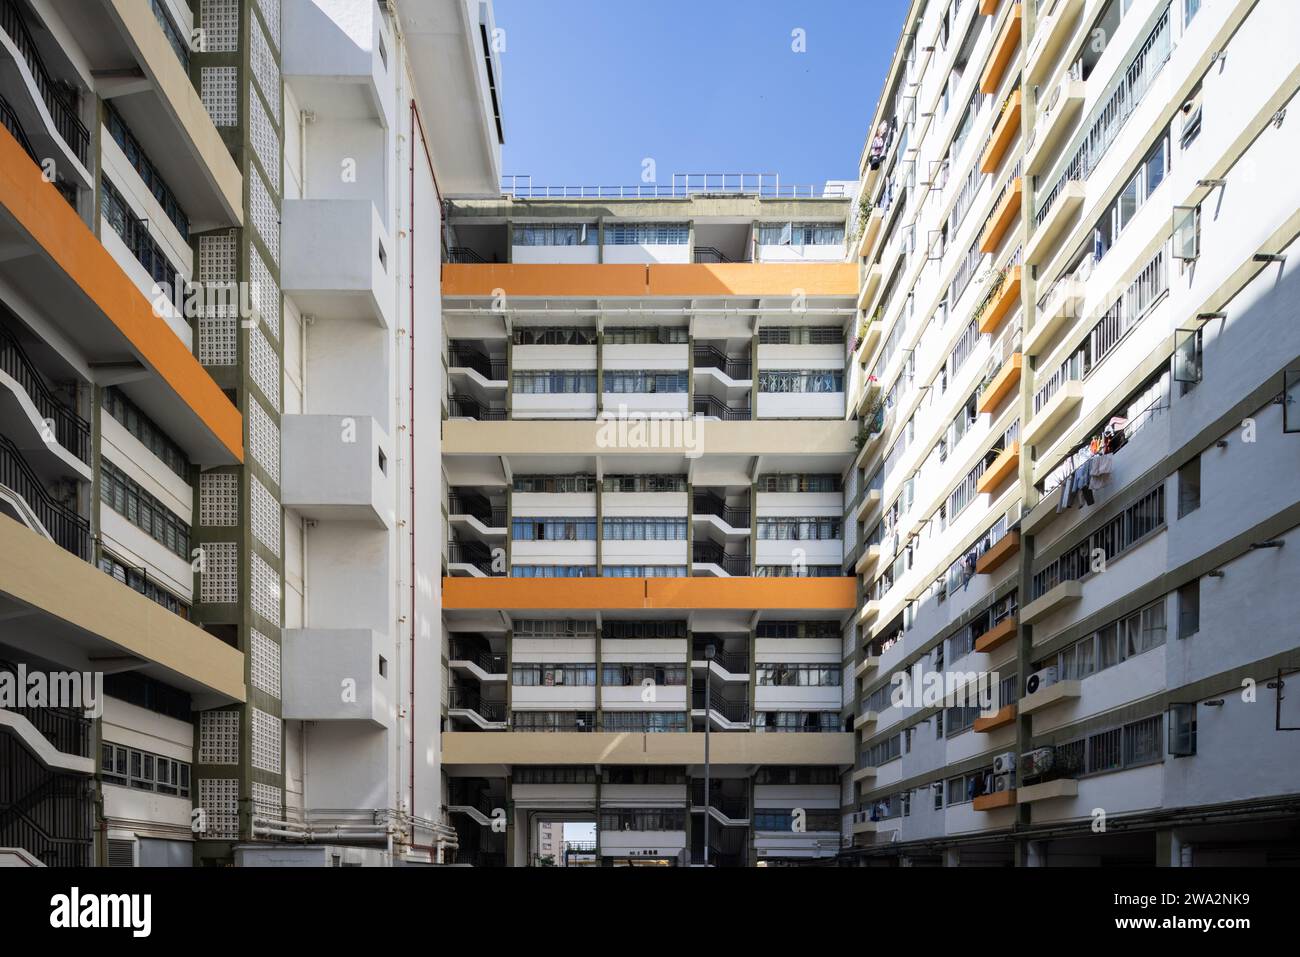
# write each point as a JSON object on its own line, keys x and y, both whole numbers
{"x": 643, "y": 456}
{"x": 219, "y": 216}
{"x": 1075, "y": 381}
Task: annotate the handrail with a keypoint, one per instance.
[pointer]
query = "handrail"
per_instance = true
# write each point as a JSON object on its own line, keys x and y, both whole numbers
{"x": 470, "y": 553}
{"x": 466, "y": 699}
{"x": 491, "y": 663}
{"x": 712, "y": 254}
{"x": 466, "y": 406}
{"x": 67, "y": 728}
{"x": 466, "y": 357}
{"x": 735, "y": 516}
{"x": 707, "y": 405}
{"x": 463, "y": 254}
{"x": 15, "y": 127}
{"x": 66, "y": 121}
{"x": 711, "y": 358}
{"x": 71, "y": 430}
{"x": 766, "y": 185}
{"x": 713, "y": 553}
{"x": 68, "y": 529}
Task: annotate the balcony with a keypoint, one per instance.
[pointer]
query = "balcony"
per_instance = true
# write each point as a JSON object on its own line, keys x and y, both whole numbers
{"x": 478, "y": 662}
{"x": 666, "y": 748}
{"x": 1002, "y": 297}
{"x": 1054, "y": 219}
{"x": 1004, "y": 50}
{"x": 485, "y": 373}
{"x": 73, "y": 611}
{"x": 335, "y": 468}
{"x": 335, "y": 259}
{"x": 868, "y": 663}
{"x": 1055, "y": 310}
{"x": 337, "y": 68}
{"x": 1001, "y": 470}
{"x": 1055, "y": 27}
{"x": 471, "y": 558}
{"x": 1004, "y": 133}
{"x": 708, "y": 407}
{"x": 1054, "y": 694}
{"x": 998, "y": 799}
{"x": 711, "y": 558}
{"x": 24, "y": 496}
{"x": 732, "y": 371}
{"x": 337, "y": 674}
{"x": 1002, "y": 550}
{"x": 1003, "y": 215}
{"x": 1005, "y": 716}
{"x": 1053, "y": 599}
{"x": 1001, "y": 385}
{"x": 867, "y": 336}
{"x": 870, "y": 230}
{"x": 1048, "y": 791}
{"x": 461, "y": 406}
{"x": 468, "y": 705}
{"x": 1063, "y": 401}
{"x": 870, "y": 283}
{"x": 1000, "y": 633}
{"x": 1055, "y": 118}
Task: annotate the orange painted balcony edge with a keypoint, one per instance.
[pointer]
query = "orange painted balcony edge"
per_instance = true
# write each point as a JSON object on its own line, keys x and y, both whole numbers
{"x": 1004, "y": 48}
{"x": 1004, "y": 716}
{"x": 1002, "y": 632}
{"x": 39, "y": 210}
{"x": 992, "y": 559}
{"x": 1007, "y": 126}
{"x": 1006, "y": 298}
{"x": 820, "y": 594}
{"x": 615, "y": 280}
{"x": 1000, "y": 221}
{"x": 991, "y": 802}
{"x": 989, "y": 7}
{"x": 1001, "y": 384}
{"x": 1003, "y": 467}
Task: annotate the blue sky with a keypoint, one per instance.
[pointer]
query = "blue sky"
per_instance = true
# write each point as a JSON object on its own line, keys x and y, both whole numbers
{"x": 593, "y": 87}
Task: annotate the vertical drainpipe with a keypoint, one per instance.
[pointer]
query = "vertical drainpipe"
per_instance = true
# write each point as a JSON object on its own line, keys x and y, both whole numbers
{"x": 600, "y": 526}
{"x": 690, "y": 560}
{"x": 510, "y": 524}
{"x": 600, "y": 684}
{"x": 1029, "y": 498}
{"x": 600, "y": 239}
{"x": 753, "y": 372}
{"x": 600, "y": 368}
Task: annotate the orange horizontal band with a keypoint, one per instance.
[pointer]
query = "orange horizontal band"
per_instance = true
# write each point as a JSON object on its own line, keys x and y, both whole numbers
{"x": 39, "y": 210}
{"x": 611, "y": 280}
{"x": 613, "y": 594}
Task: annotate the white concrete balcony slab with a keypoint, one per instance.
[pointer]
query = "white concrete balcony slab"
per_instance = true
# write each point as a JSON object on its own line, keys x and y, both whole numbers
{"x": 335, "y": 468}
{"x": 1054, "y": 598}
{"x": 1055, "y": 311}
{"x": 1061, "y": 108}
{"x": 335, "y": 259}
{"x": 337, "y": 674}
{"x": 336, "y": 59}
{"x": 1066, "y": 400}
{"x": 1056, "y": 224}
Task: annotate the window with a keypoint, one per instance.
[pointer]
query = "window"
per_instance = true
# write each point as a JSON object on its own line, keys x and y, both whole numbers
{"x": 645, "y": 381}
{"x": 806, "y": 529}
{"x": 1118, "y": 641}
{"x": 800, "y": 234}
{"x": 1182, "y": 730}
{"x": 553, "y": 529}
{"x": 1189, "y": 487}
{"x": 647, "y": 234}
{"x": 554, "y": 336}
{"x": 555, "y": 483}
{"x": 383, "y": 667}
{"x": 628, "y": 675}
{"x": 554, "y": 383}
{"x": 551, "y": 676}
{"x": 564, "y": 234}
{"x": 142, "y": 427}
{"x": 125, "y": 496}
{"x": 801, "y": 381}
{"x": 1188, "y": 356}
{"x": 799, "y": 675}
{"x": 1187, "y": 233}
{"x": 644, "y": 529}
{"x": 1189, "y": 609}
{"x": 138, "y": 579}
{"x": 143, "y": 771}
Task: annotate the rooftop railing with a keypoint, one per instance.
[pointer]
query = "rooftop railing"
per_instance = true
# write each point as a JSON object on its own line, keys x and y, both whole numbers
{"x": 683, "y": 185}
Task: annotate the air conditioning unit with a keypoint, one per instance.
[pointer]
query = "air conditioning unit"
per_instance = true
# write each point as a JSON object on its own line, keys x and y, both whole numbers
{"x": 1004, "y": 763}
{"x": 1036, "y": 762}
{"x": 1039, "y": 680}
{"x": 1002, "y": 782}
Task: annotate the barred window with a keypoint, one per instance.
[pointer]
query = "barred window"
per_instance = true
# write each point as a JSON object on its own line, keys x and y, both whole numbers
{"x": 554, "y": 336}
{"x": 647, "y": 234}
{"x": 643, "y": 629}
{"x": 553, "y": 571}
{"x": 143, "y": 428}
{"x": 559, "y": 234}
{"x": 530, "y": 675}
{"x": 644, "y": 722}
{"x": 553, "y": 529}
{"x": 645, "y": 381}
{"x": 801, "y": 381}
{"x": 801, "y": 529}
{"x": 798, "y": 629}
{"x": 144, "y": 771}
{"x": 799, "y": 482}
{"x": 644, "y": 483}
{"x": 626, "y": 675}
{"x": 799, "y": 675}
{"x": 645, "y": 571}
{"x": 645, "y": 529}
{"x": 554, "y": 383}
{"x": 554, "y": 483}
{"x": 1117, "y": 536}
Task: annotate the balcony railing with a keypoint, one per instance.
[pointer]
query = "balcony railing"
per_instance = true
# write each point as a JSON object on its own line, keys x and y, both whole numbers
{"x": 1073, "y": 368}
{"x": 68, "y": 729}
{"x": 486, "y": 366}
{"x": 734, "y": 711}
{"x": 764, "y": 185}
{"x": 467, "y": 407}
{"x": 733, "y": 661}
{"x": 1110, "y": 118}
{"x": 68, "y": 529}
{"x": 711, "y": 553}
{"x": 463, "y": 254}
{"x": 732, "y": 806}
{"x": 491, "y": 663}
{"x": 711, "y": 254}
{"x": 467, "y": 699}
{"x": 64, "y": 114}
{"x": 494, "y": 516}
{"x": 707, "y": 405}
{"x": 709, "y": 358}
{"x": 15, "y": 128}
{"x": 470, "y": 553}
{"x": 734, "y": 516}
{"x": 70, "y": 429}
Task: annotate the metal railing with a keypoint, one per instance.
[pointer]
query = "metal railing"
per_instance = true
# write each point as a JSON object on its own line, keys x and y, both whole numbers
{"x": 734, "y": 711}
{"x": 68, "y": 529}
{"x": 711, "y": 254}
{"x": 467, "y": 699}
{"x": 765, "y": 185}
{"x": 1073, "y": 368}
{"x": 465, "y": 357}
{"x": 1110, "y": 118}
{"x": 707, "y": 405}
{"x": 70, "y": 429}
{"x": 463, "y": 254}
{"x": 732, "y": 806}
{"x": 711, "y": 358}
{"x": 66, "y": 122}
{"x": 732, "y": 661}
{"x": 735, "y": 516}
{"x": 493, "y": 664}
{"x": 470, "y": 553}
{"x": 1145, "y": 290}
{"x": 467, "y": 407}
{"x": 68, "y": 729}
{"x": 494, "y": 516}
{"x": 712, "y": 553}
{"x": 15, "y": 127}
